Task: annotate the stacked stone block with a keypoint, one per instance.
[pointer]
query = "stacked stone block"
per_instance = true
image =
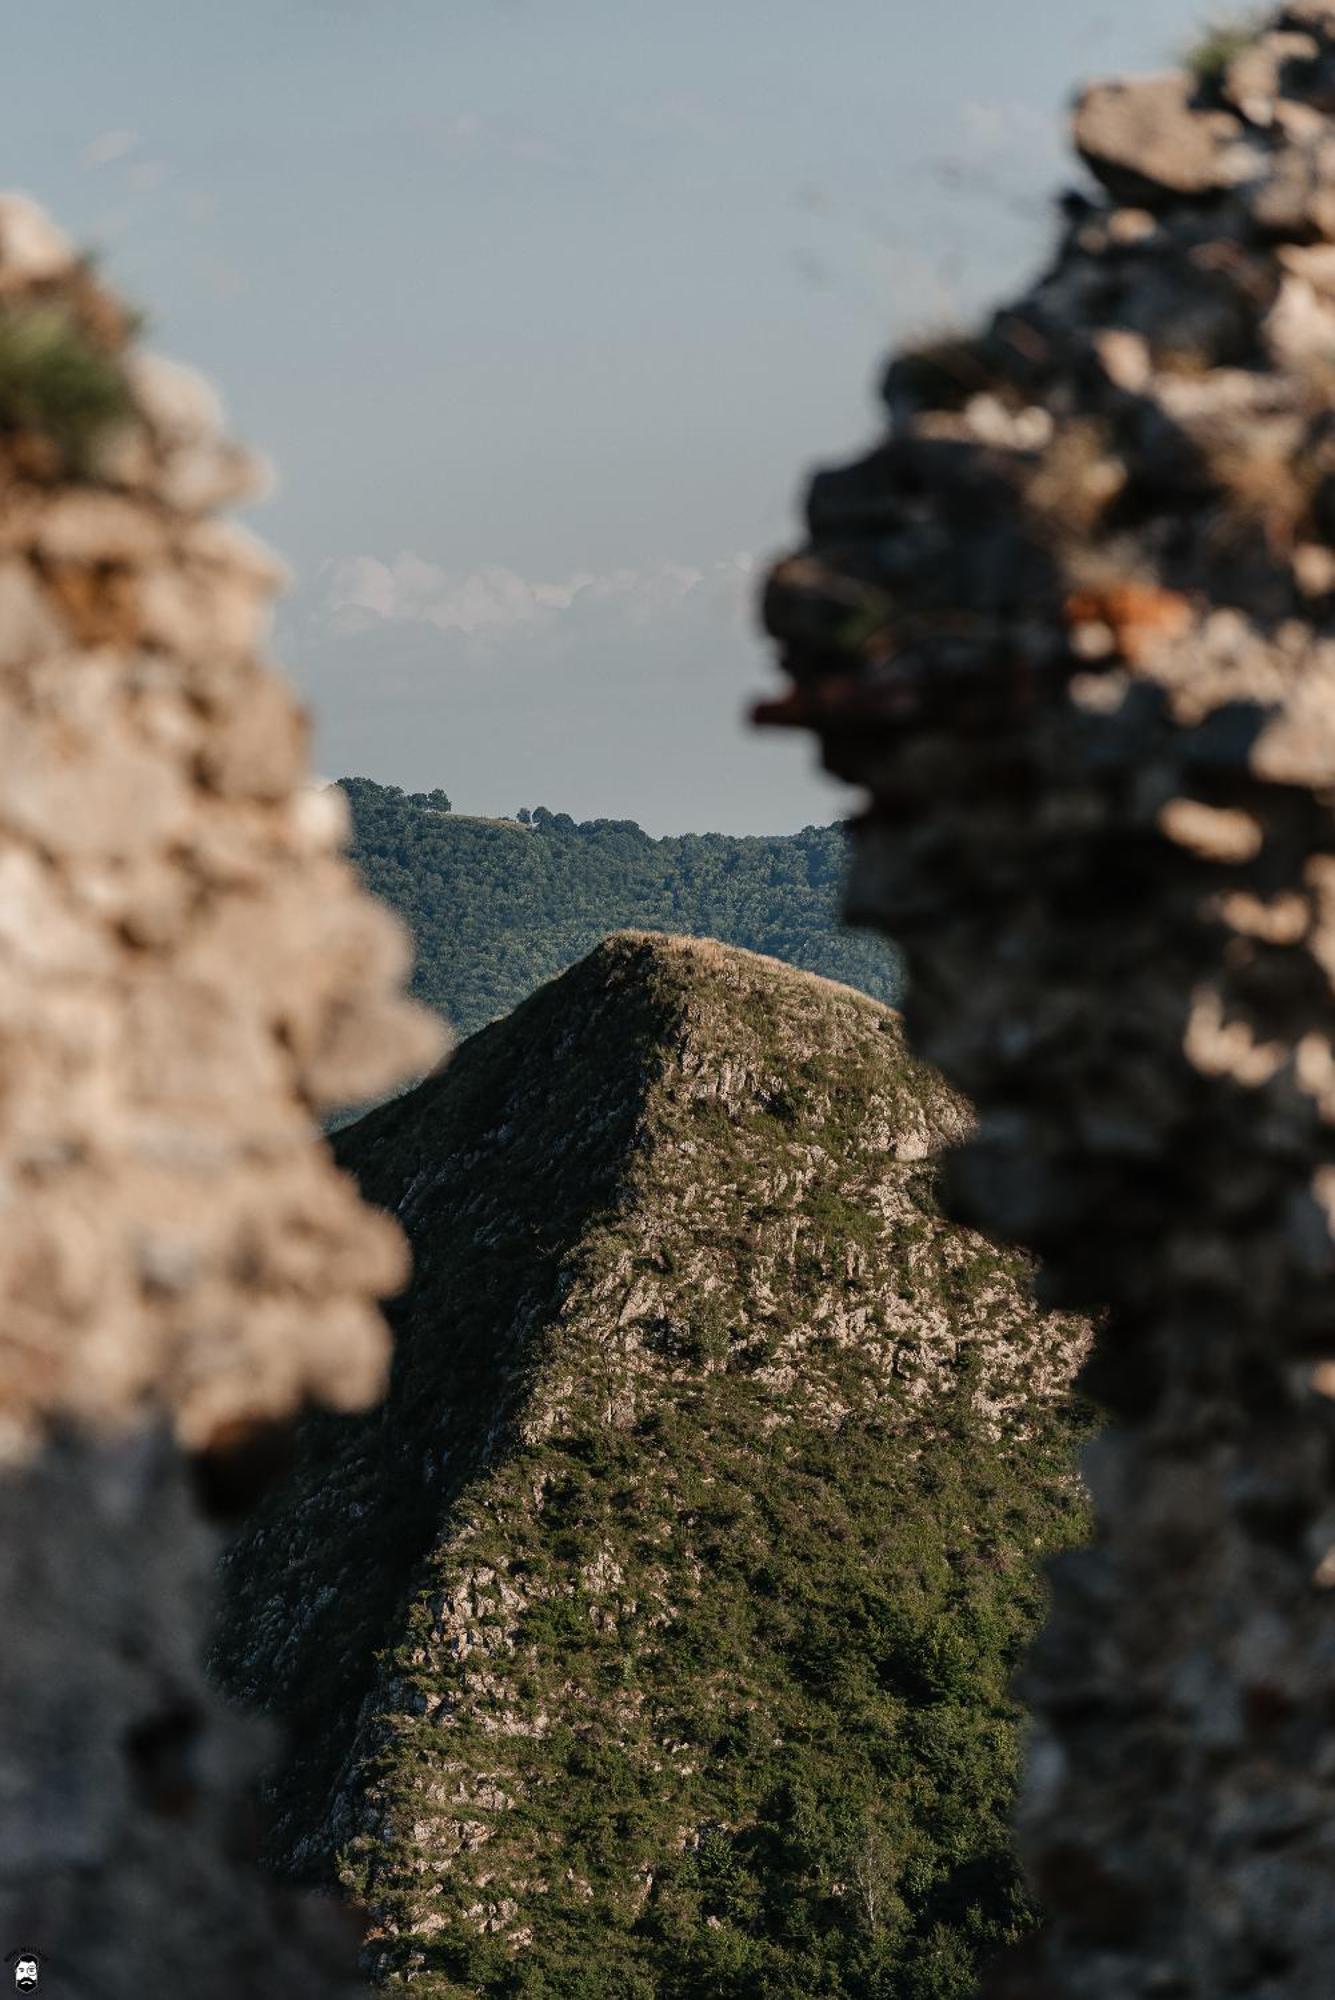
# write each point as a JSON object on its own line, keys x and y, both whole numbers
{"x": 1071, "y": 627}
{"x": 189, "y": 974}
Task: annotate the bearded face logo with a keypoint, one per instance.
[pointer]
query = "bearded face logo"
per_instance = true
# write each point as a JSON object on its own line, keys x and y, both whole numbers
{"x": 26, "y": 1971}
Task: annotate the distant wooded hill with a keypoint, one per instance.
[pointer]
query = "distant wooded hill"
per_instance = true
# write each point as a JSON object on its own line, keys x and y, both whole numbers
{"x": 498, "y": 906}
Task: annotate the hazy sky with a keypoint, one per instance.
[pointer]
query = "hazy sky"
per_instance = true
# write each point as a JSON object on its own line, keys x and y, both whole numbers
{"x": 544, "y": 308}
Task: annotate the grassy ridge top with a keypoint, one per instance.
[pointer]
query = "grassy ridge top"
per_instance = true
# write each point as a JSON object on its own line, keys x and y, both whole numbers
{"x": 654, "y": 1639}
{"x": 496, "y": 907}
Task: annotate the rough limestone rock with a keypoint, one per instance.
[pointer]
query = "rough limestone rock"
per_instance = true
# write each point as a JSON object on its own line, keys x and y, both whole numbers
{"x": 1072, "y": 627}
{"x": 188, "y": 973}
{"x": 655, "y": 1635}
{"x": 1149, "y": 141}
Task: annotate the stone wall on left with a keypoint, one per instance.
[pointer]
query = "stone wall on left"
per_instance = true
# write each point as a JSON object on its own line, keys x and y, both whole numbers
{"x": 189, "y": 975}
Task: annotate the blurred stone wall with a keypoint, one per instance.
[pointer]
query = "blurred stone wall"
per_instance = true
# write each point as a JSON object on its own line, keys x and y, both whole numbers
{"x": 189, "y": 975}
{"x": 1071, "y": 626}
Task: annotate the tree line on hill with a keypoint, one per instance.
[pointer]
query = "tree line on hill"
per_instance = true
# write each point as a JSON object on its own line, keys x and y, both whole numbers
{"x": 497, "y": 907}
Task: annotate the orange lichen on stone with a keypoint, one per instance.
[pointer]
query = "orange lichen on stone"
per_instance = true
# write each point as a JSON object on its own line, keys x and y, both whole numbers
{"x": 1136, "y": 616}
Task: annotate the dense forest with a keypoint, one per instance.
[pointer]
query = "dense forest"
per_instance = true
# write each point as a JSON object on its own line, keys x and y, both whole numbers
{"x": 498, "y": 906}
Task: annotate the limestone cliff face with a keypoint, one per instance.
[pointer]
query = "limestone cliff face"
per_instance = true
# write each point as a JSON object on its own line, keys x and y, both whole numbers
{"x": 656, "y": 1631}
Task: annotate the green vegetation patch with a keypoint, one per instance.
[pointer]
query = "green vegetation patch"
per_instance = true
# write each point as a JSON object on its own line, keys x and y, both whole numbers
{"x": 1219, "y": 42}
{"x": 656, "y": 1637}
{"x": 496, "y": 908}
{"x": 55, "y": 383}
{"x": 799, "y": 1783}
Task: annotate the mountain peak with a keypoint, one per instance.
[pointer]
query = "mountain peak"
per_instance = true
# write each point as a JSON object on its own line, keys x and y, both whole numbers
{"x": 660, "y": 1018}
{"x": 692, "y": 1376}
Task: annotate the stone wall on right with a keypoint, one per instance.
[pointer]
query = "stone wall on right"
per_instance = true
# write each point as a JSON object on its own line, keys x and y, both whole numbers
{"x": 1071, "y": 625}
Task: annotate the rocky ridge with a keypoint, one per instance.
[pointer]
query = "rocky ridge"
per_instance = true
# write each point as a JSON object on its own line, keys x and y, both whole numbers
{"x": 671, "y": 1595}
{"x": 1072, "y": 627}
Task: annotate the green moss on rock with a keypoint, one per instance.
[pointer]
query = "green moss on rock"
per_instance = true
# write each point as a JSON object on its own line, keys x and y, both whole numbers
{"x": 1219, "y": 42}
{"x": 56, "y": 383}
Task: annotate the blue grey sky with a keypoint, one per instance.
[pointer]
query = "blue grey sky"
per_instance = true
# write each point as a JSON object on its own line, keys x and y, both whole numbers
{"x": 544, "y": 308}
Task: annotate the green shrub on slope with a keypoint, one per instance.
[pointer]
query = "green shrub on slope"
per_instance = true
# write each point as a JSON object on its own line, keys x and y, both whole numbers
{"x": 656, "y": 1637}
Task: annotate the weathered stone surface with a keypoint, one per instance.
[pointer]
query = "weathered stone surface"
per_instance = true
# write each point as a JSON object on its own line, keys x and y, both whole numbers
{"x": 1296, "y": 197}
{"x": 1257, "y": 77}
{"x": 1093, "y": 718}
{"x": 126, "y": 1831}
{"x": 32, "y": 249}
{"x": 1315, "y": 17}
{"x": 187, "y": 975}
{"x": 1146, "y": 141}
{"x": 142, "y": 740}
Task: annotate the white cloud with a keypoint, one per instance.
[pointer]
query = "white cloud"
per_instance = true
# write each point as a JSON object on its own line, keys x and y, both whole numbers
{"x": 220, "y": 279}
{"x": 542, "y": 152}
{"x": 670, "y": 115}
{"x": 468, "y": 134}
{"x": 146, "y": 175}
{"x": 619, "y": 692}
{"x": 465, "y": 131}
{"x": 363, "y": 591}
{"x": 197, "y": 207}
{"x": 108, "y": 147}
